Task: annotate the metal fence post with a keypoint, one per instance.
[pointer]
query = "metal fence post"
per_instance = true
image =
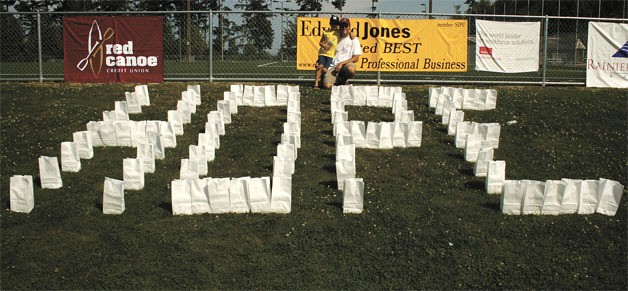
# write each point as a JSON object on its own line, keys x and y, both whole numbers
{"x": 545, "y": 50}
{"x": 41, "y": 68}
{"x": 211, "y": 46}
{"x": 379, "y": 72}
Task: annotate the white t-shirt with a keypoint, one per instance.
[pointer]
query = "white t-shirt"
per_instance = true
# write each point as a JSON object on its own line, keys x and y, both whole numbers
{"x": 346, "y": 49}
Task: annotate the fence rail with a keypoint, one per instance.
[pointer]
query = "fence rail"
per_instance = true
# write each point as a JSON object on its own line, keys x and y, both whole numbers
{"x": 222, "y": 46}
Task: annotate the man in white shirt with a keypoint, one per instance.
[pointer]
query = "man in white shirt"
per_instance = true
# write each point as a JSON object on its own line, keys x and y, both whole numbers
{"x": 348, "y": 52}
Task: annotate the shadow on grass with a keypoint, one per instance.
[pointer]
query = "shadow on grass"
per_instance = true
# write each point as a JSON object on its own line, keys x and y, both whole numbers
{"x": 476, "y": 185}
{"x": 331, "y": 184}
{"x": 336, "y": 204}
{"x": 466, "y": 172}
{"x": 492, "y": 206}
{"x": 330, "y": 168}
{"x": 166, "y": 207}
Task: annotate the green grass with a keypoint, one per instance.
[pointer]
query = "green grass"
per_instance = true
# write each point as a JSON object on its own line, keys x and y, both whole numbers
{"x": 252, "y": 69}
{"x": 427, "y": 221}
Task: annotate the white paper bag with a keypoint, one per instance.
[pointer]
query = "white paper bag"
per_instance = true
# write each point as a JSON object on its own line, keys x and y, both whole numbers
{"x": 358, "y": 133}
{"x": 188, "y": 98}
{"x": 181, "y": 197}
{"x": 495, "y": 176}
{"x": 283, "y": 166}
{"x": 199, "y": 196}
{"x": 113, "y": 196}
{"x": 345, "y": 169}
{"x": 345, "y": 152}
{"x": 462, "y": 130}
{"x": 353, "y": 200}
{"x": 133, "y": 172}
{"x": 589, "y": 197}
{"x": 146, "y": 153}
{"x": 472, "y": 147}
{"x": 239, "y": 195}
{"x": 176, "y": 120}
{"x": 233, "y": 101}
{"x": 610, "y": 196}
{"x": 259, "y": 194}
{"x": 224, "y": 107}
{"x": 342, "y": 140}
{"x": 22, "y": 197}
{"x": 70, "y": 159}
{"x": 454, "y": 118}
{"x": 198, "y": 153}
{"x": 208, "y": 142}
{"x": 385, "y": 133}
{"x": 158, "y": 147}
{"x": 121, "y": 110}
{"x": 186, "y": 110}
{"x": 84, "y": 145}
{"x": 342, "y": 128}
{"x": 553, "y": 196}
{"x": 123, "y": 133}
{"x": 107, "y": 132}
{"x": 168, "y": 137}
{"x": 238, "y": 90}
{"x": 399, "y": 134}
{"x": 286, "y": 151}
{"x": 481, "y": 164}
{"x": 512, "y": 197}
{"x": 189, "y": 169}
{"x": 248, "y": 95}
{"x": 533, "y": 196}
{"x": 196, "y": 89}
{"x": 571, "y": 196}
{"x": 414, "y": 134}
{"x": 434, "y": 92}
{"x": 133, "y": 102}
{"x": 281, "y": 195}
{"x": 142, "y": 92}
{"x": 138, "y": 132}
{"x": 49, "y": 174}
{"x": 216, "y": 117}
{"x": 93, "y": 127}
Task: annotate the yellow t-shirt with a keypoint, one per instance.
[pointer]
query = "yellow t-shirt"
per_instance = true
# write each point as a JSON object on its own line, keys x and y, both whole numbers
{"x": 331, "y": 37}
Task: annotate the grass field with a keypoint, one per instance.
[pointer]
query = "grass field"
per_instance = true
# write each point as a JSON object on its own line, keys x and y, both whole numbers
{"x": 427, "y": 223}
{"x": 256, "y": 68}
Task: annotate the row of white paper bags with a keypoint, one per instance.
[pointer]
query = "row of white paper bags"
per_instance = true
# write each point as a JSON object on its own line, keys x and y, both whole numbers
{"x": 381, "y": 135}
{"x": 471, "y": 99}
{"x": 566, "y": 196}
{"x": 22, "y": 198}
{"x": 132, "y": 105}
{"x": 374, "y": 96}
{"x": 261, "y": 96}
{"x": 236, "y": 195}
{"x": 132, "y": 133}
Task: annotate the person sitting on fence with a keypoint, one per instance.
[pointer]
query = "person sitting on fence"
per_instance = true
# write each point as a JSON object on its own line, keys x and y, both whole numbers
{"x": 348, "y": 52}
{"x": 327, "y": 44}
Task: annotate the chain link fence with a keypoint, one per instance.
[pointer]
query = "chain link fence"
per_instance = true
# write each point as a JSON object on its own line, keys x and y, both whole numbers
{"x": 261, "y": 46}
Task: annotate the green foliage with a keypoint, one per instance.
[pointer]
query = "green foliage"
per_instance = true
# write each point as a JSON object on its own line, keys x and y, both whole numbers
{"x": 427, "y": 221}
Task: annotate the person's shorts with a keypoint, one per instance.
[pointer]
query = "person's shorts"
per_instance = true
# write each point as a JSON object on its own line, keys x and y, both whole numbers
{"x": 341, "y": 78}
{"x": 325, "y": 61}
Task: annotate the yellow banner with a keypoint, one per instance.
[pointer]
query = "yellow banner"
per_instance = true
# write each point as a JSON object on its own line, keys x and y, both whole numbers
{"x": 392, "y": 45}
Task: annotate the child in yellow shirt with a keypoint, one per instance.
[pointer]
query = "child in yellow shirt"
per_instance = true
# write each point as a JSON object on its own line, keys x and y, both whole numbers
{"x": 328, "y": 43}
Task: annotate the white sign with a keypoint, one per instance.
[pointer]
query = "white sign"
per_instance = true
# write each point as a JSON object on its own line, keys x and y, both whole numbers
{"x": 507, "y": 47}
{"x": 607, "y": 55}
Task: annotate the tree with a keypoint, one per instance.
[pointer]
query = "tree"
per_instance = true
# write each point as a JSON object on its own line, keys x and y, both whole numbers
{"x": 11, "y": 39}
{"x": 256, "y": 33}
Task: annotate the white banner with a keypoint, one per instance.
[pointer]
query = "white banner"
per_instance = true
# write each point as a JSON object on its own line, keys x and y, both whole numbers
{"x": 607, "y": 55}
{"x": 507, "y": 47}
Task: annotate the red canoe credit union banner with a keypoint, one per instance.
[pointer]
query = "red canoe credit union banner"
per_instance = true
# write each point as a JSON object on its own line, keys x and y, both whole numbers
{"x": 108, "y": 49}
